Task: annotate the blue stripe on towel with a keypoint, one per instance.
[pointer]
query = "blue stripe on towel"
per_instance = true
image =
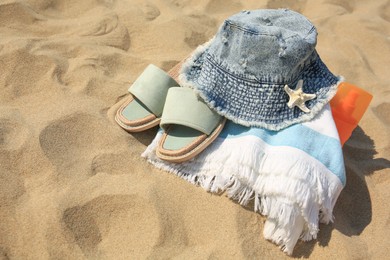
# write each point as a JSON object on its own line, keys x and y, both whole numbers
{"x": 325, "y": 149}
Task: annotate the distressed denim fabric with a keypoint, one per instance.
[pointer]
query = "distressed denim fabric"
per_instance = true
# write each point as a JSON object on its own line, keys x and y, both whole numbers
{"x": 242, "y": 71}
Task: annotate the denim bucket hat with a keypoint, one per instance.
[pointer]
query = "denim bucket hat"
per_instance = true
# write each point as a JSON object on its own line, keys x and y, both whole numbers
{"x": 261, "y": 69}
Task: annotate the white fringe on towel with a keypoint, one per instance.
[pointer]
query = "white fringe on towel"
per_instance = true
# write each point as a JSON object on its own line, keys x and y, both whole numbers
{"x": 294, "y": 190}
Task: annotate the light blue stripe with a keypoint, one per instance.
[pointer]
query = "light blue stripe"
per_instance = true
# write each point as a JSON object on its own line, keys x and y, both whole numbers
{"x": 325, "y": 149}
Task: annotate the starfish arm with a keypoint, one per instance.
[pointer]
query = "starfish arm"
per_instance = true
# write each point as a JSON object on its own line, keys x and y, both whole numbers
{"x": 290, "y": 94}
{"x": 291, "y": 103}
{"x": 309, "y": 97}
{"x": 299, "y": 85}
{"x": 288, "y": 90}
{"x": 303, "y": 107}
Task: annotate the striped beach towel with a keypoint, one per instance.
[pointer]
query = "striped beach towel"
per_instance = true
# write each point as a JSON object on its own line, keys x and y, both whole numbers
{"x": 294, "y": 175}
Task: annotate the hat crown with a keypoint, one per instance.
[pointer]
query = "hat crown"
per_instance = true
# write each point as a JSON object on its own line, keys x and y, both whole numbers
{"x": 247, "y": 70}
{"x": 266, "y": 45}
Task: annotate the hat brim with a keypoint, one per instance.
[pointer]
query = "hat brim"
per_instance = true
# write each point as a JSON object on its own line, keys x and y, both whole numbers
{"x": 247, "y": 101}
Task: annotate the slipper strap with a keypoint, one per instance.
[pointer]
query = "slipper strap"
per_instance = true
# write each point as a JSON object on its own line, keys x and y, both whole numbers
{"x": 184, "y": 107}
{"x": 151, "y": 88}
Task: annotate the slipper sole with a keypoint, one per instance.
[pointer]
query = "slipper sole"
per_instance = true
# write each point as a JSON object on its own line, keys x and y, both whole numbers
{"x": 135, "y": 125}
{"x": 190, "y": 151}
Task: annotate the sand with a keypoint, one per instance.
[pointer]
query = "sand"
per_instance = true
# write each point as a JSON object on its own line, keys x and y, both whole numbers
{"x": 72, "y": 182}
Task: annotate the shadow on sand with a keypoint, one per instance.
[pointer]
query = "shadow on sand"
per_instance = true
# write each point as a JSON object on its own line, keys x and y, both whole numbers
{"x": 353, "y": 212}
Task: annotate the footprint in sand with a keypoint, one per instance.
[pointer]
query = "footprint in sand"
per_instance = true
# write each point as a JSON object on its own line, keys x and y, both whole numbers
{"x": 106, "y": 31}
{"x": 103, "y": 26}
{"x": 13, "y": 131}
{"x": 70, "y": 144}
{"x": 75, "y": 18}
{"x": 114, "y": 225}
{"x": 150, "y": 11}
{"x": 22, "y": 66}
{"x": 14, "y": 136}
{"x": 17, "y": 12}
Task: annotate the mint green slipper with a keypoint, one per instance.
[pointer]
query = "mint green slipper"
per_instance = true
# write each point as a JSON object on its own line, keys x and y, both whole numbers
{"x": 189, "y": 126}
{"x": 143, "y": 109}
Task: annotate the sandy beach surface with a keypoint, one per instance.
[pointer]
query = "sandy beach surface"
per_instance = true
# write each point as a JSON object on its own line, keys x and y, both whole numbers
{"x": 72, "y": 182}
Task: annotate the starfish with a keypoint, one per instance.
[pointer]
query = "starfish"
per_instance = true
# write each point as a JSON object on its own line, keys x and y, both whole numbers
{"x": 298, "y": 97}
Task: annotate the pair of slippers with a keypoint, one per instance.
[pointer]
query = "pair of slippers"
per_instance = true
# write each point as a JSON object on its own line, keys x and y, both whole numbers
{"x": 156, "y": 98}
